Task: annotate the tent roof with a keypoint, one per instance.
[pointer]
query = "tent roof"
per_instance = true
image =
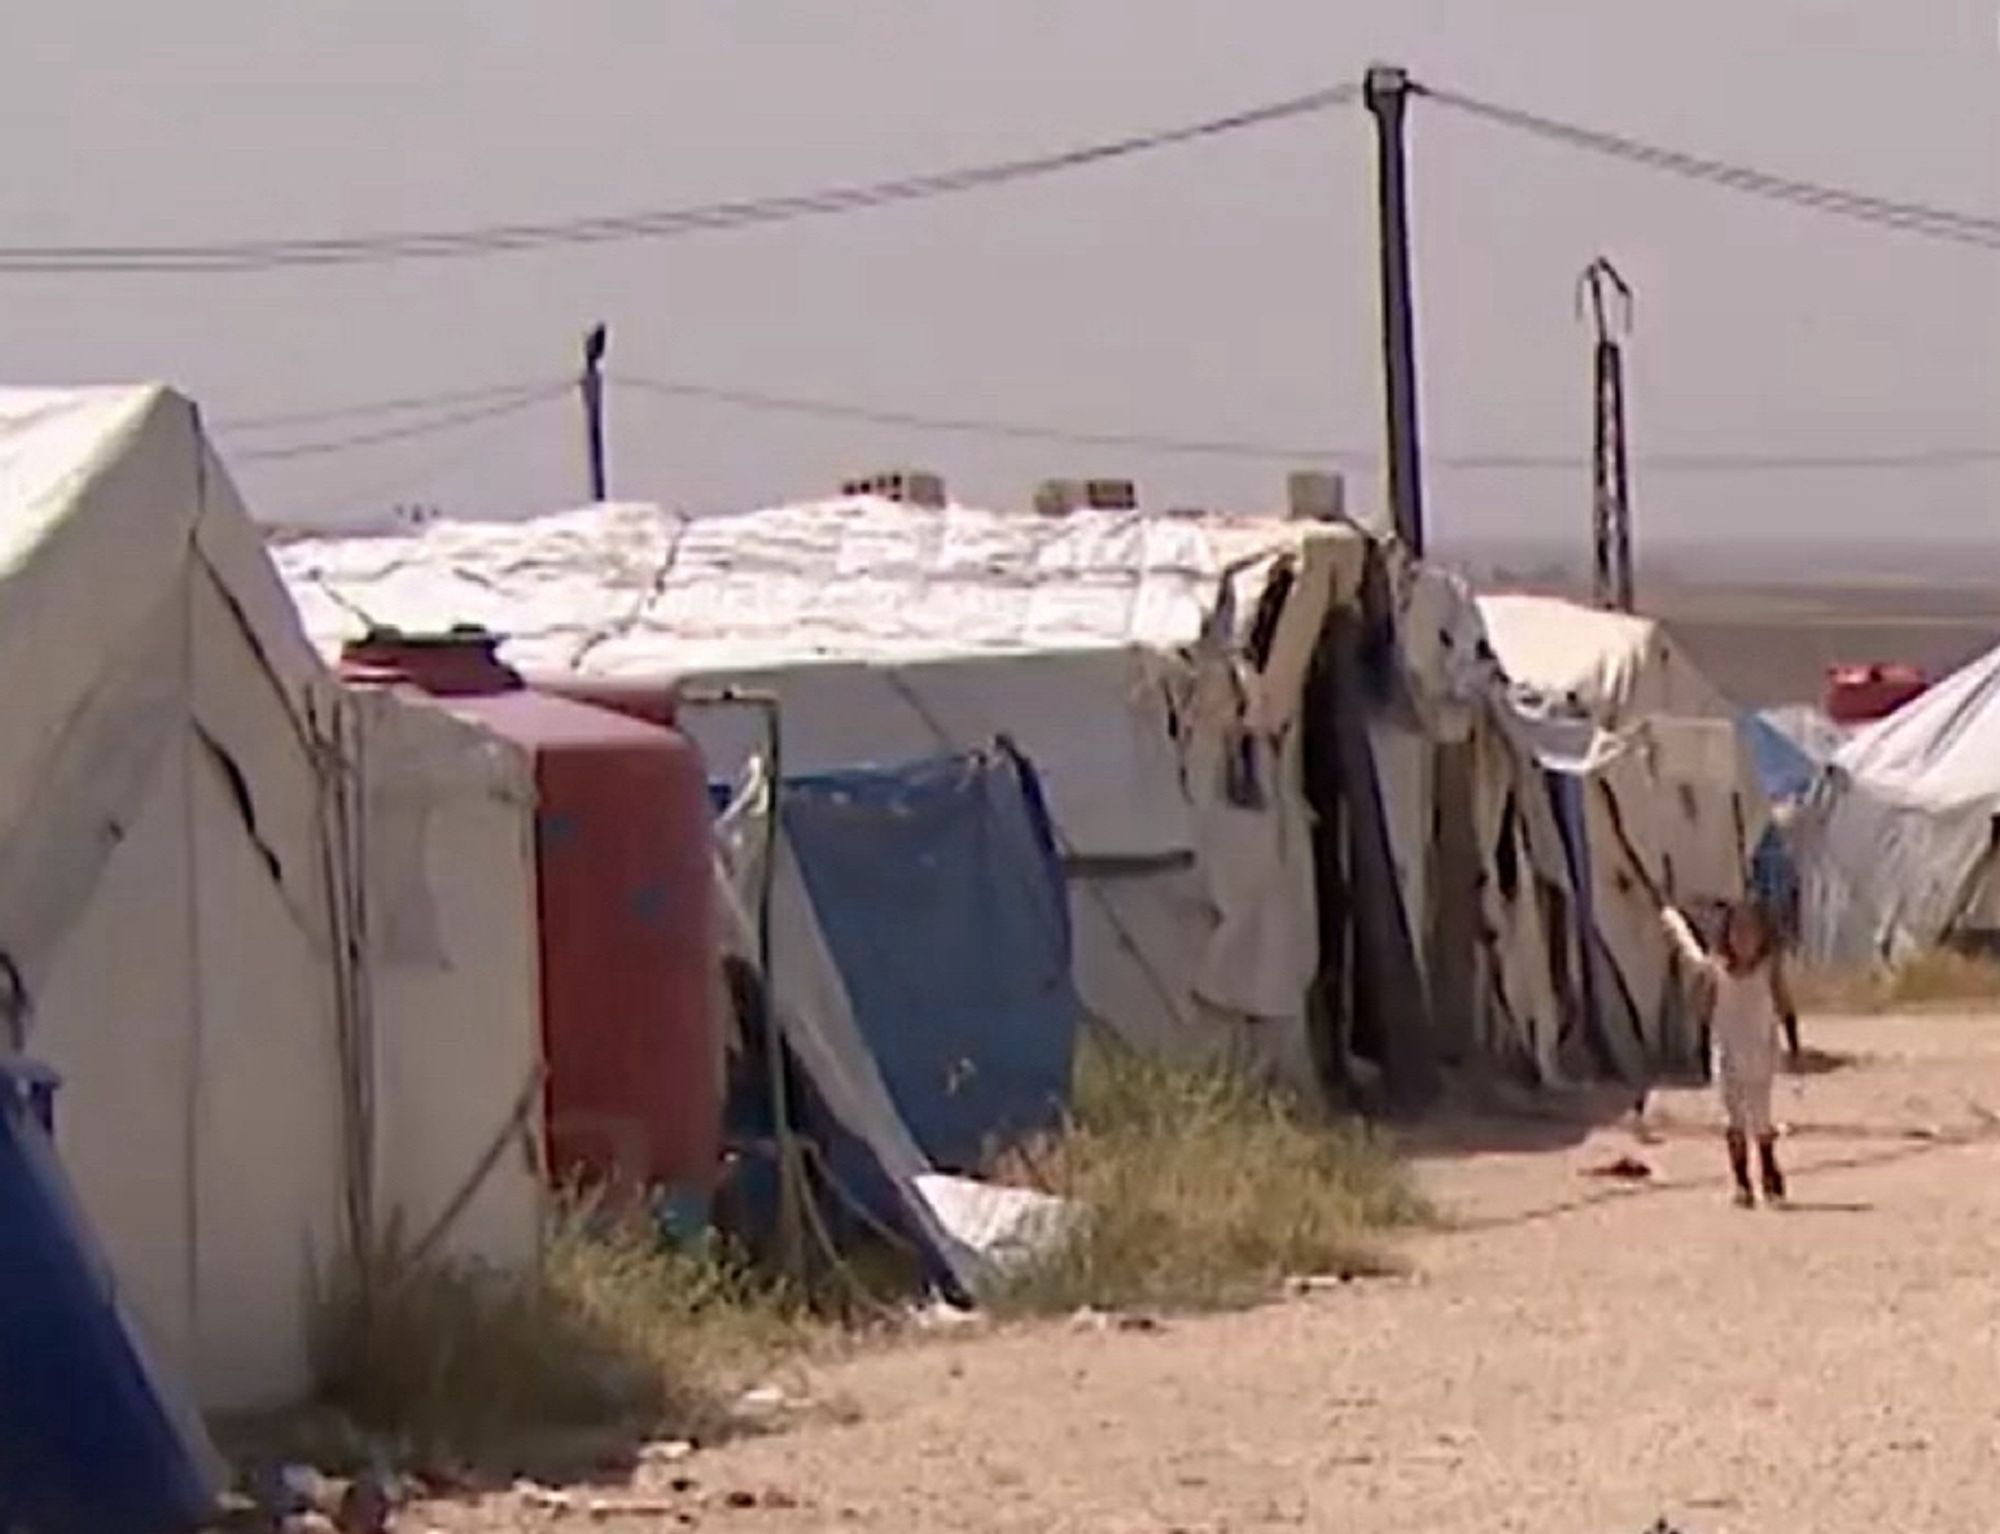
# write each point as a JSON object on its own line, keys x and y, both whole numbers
{"x": 1941, "y": 748}
{"x": 631, "y": 589}
{"x": 1617, "y": 668}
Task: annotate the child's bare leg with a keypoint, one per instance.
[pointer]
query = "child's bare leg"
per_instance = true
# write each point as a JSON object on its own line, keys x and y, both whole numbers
{"x": 1739, "y": 1166}
{"x": 1767, "y": 1157}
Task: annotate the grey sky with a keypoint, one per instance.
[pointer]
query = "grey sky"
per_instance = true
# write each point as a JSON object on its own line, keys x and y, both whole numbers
{"x": 1224, "y": 291}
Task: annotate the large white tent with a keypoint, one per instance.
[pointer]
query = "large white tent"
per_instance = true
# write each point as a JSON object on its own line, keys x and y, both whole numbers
{"x": 1105, "y": 645}
{"x": 1897, "y": 849}
{"x": 1257, "y": 824}
{"x": 272, "y": 936}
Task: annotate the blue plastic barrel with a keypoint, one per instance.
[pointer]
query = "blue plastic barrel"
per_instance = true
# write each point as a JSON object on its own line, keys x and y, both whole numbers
{"x": 93, "y": 1440}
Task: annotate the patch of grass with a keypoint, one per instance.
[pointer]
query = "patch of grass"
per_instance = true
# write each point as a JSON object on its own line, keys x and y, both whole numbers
{"x": 619, "y": 1332}
{"x": 1200, "y": 1189}
{"x": 1939, "y": 979}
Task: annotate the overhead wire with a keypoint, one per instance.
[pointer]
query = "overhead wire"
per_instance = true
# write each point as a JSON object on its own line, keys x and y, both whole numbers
{"x": 1978, "y": 230}
{"x": 654, "y": 224}
{"x": 1272, "y": 452}
{"x": 429, "y": 426}
{"x": 363, "y": 410}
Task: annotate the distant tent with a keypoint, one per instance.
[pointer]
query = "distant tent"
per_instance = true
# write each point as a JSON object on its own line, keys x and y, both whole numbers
{"x": 1898, "y": 844}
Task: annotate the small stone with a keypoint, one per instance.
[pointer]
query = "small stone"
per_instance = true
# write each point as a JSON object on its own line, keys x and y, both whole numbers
{"x": 741, "y": 1501}
{"x": 762, "y": 1400}
{"x": 606, "y": 1508}
{"x": 367, "y": 1505}
{"x": 545, "y": 1498}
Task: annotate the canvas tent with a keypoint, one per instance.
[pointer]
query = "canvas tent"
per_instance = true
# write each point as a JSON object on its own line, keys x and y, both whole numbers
{"x": 1897, "y": 845}
{"x": 229, "y": 895}
{"x": 1300, "y": 821}
{"x": 1654, "y": 788}
{"x": 1104, "y": 645}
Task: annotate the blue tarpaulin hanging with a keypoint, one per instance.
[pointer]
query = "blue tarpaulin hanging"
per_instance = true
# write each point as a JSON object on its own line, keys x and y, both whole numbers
{"x": 92, "y": 1439}
{"x": 1783, "y": 767}
{"x": 940, "y": 894}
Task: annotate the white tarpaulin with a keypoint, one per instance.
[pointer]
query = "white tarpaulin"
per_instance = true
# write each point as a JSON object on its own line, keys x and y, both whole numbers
{"x": 1104, "y": 645}
{"x": 1897, "y": 847}
{"x": 1612, "y": 668}
{"x": 168, "y": 863}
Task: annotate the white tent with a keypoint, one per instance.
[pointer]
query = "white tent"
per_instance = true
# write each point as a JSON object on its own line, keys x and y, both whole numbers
{"x": 1105, "y": 644}
{"x": 1659, "y": 789}
{"x": 1897, "y": 849}
{"x": 189, "y": 852}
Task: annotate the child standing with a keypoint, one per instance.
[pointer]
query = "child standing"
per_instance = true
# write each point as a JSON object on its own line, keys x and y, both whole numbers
{"x": 1752, "y": 1006}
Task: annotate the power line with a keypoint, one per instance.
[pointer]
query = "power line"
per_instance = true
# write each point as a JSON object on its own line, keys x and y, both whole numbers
{"x": 985, "y": 427}
{"x": 1978, "y": 230}
{"x": 492, "y": 394}
{"x": 430, "y": 426}
{"x": 656, "y": 224}
{"x": 1271, "y": 452}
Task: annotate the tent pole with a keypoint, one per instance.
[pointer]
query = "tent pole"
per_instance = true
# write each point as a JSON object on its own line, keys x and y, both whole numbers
{"x": 590, "y": 384}
{"x": 1386, "y": 91}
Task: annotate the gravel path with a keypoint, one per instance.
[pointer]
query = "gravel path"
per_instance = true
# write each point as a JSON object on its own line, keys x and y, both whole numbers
{"x": 1580, "y": 1354}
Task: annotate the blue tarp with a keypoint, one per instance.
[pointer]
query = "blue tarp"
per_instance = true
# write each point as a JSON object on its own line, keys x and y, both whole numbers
{"x": 91, "y": 1439}
{"x": 1785, "y": 770}
{"x": 940, "y": 893}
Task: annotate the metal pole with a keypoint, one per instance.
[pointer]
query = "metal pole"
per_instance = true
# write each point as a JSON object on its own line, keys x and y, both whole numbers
{"x": 1386, "y": 90}
{"x": 1611, "y": 486}
{"x": 591, "y": 386}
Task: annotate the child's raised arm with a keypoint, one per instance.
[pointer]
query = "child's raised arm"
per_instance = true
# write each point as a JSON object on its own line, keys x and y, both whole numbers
{"x": 1684, "y": 942}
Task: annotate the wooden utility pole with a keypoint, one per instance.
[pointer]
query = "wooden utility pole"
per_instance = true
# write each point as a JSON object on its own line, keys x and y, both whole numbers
{"x": 1386, "y": 91}
{"x": 591, "y": 386}
{"x": 1610, "y": 300}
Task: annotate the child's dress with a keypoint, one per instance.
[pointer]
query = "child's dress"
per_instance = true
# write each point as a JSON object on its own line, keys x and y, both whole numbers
{"x": 1745, "y": 1027}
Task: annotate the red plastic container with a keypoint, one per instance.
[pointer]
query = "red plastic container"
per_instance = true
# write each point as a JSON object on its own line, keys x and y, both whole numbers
{"x": 654, "y": 701}
{"x": 1861, "y": 694}
{"x": 628, "y": 940}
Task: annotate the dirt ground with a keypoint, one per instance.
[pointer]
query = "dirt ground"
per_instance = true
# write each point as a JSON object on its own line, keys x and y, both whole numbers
{"x": 1575, "y": 1354}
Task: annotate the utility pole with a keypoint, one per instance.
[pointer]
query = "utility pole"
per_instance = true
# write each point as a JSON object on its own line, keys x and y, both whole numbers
{"x": 1386, "y": 91}
{"x": 591, "y": 386}
{"x": 1610, "y": 299}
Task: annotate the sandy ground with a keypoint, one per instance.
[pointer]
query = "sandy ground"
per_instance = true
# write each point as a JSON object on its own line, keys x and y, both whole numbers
{"x": 1576, "y": 1354}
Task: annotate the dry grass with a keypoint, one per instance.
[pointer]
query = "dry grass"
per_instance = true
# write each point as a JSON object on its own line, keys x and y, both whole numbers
{"x": 1200, "y": 1189}
{"x": 618, "y": 1333}
{"x": 1939, "y": 979}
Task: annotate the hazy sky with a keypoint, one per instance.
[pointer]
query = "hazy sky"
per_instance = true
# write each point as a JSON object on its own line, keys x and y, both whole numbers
{"x": 1223, "y": 291}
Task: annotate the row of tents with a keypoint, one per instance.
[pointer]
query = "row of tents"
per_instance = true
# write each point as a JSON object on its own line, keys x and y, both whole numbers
{"x": 1264, "y": 791}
